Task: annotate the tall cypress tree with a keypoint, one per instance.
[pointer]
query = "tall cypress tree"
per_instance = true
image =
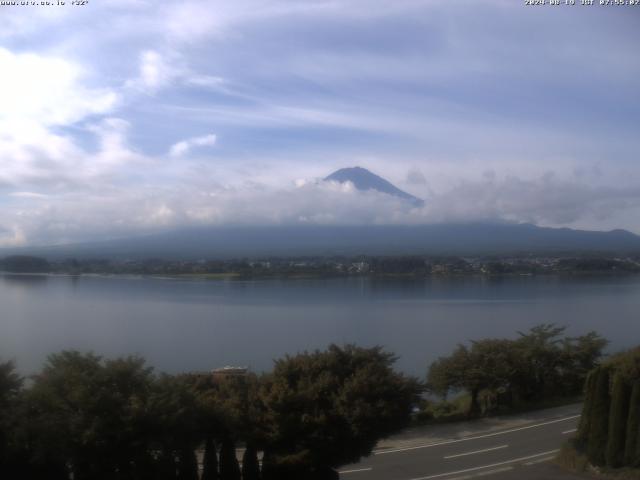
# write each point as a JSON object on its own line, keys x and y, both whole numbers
{"x": 635, "y": 462}
{"x": 188, "y": 465}
{"x": 166, "y": 466}
{"x": 250, "y": 466}
{"x": 210, "y": 461}
{"x": 585, "y": 418}
{"x": 229, "y": 468}
{"x": 618, "y": 414}
{"x": 632, "y": 444}
{"x": 268, "y": 470}
{"x": 599, "y": 422}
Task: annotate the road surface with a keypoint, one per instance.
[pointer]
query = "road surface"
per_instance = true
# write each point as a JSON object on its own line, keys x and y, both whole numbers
{"x": 520, "y": 449}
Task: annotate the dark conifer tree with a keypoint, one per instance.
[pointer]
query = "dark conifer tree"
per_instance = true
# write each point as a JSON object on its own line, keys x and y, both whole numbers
{"x": 635, "y": 462}
{"x": 210, "y": 461}
{"x": 599, "y": 423}
{"x": 46, "y": 468}
{"x": 618, "y": 414}
{"x": 187, "y": 465}
{"x": 632, "y": 444}
{"x": 229, "y": 468}
{"x": 267, "y": 472}
{"x": 166, "y": 468}
{"x": 585, "y": 418}
{"x": 250, "y": 466}
{"x": 144, "y": 468}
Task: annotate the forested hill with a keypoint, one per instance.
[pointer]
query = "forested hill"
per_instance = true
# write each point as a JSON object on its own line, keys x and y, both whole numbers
{"x": 255, "y": 241}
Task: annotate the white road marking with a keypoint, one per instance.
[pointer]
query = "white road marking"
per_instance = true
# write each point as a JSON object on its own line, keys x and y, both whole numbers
{"x": 482, "y": 474}
{"x": 356, "y": 470}
{"x": 570, "y": 431}
{"x": 506, "y": 462}
{"x": 477, "y": 451}
{"x": 467, "y": 439}
{"x": 492, "y": 472}
{"x": 546, "y": 459}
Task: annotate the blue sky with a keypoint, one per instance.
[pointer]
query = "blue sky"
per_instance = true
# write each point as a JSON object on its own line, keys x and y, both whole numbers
{"x": 123, "y": 117}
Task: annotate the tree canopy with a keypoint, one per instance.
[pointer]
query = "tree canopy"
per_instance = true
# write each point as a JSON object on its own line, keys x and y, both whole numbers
{"x": 87, "y": 417}
{"x": 330, "y": 408}
{"x": 538, "y": 364}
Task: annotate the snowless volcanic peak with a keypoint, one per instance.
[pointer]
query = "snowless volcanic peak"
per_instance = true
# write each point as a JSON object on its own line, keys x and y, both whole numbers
{"x": 363, "y": 179}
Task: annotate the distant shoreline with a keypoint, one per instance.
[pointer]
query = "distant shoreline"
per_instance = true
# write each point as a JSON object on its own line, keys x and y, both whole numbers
{"x": 309, "y": 276}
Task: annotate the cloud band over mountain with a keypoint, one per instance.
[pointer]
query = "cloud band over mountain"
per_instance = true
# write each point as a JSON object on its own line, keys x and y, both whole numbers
{"x": 229, "y": 112}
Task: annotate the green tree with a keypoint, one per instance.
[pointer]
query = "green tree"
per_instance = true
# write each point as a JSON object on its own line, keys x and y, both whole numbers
{"x": 580, "y": 355}
{"x": 210, "y": 461}
{"x": 325, "y": 409}
{"x": 11, "y": 463}
{"x": 455, "y": 372}
{"x": 165, "y": 465}
{"x": 176, "y": 422}
{"x": 599, "y": 423}
{"x": 587, "y": 409}
{"x": 229, "y": 467}
{"x": 90, "y": 414}
{"x": 539, "y": 364}
{"x": 610, "y": 431}
{"x": 541, "y": 361}
{"x": 488, "y": 365}
{"x": 250, "y": 465}
{"x": 618, "y": 414}
{"x": 632, "y": 445}
{"x": 187, "y": 464}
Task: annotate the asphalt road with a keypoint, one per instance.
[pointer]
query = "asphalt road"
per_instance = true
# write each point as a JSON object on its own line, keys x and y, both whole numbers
{"x": 520, "y": 452}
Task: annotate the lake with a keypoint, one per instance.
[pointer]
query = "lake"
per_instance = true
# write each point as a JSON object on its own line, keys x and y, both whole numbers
{"x": 186, "y": 325}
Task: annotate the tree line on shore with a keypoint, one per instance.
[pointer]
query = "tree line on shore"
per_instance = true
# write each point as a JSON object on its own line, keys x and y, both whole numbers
{"x": 393, "y": 266}
{"x": 85, "y": 417}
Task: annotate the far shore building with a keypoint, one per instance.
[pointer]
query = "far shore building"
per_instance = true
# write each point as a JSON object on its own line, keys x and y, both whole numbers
{"x": 228, "y": 371}
{"x": 218, "y": 374}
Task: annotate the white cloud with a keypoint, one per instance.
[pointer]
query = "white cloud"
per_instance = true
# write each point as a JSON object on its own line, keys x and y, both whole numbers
{"x": 207, "y": 81}
{"x": 12, "y": 236}
{"x": 183, "y": 147}
{"x": 193, "y": 198}
{"x": 155, "y": 72}
{"x": 40, "y": 94}
{"x": 46, "y": 91}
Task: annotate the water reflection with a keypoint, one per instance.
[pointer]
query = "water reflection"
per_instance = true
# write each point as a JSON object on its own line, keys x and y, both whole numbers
{"x": 25, "y": 280}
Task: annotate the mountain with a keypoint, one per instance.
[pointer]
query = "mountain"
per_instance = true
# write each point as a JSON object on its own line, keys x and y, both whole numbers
{"x": 364, "y": 180}
{"x": 300, "y": 240}
{"x": 259, "y": 241}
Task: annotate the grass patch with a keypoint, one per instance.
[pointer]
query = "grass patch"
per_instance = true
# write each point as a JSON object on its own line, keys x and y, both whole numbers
{"x": 572, "y": 458}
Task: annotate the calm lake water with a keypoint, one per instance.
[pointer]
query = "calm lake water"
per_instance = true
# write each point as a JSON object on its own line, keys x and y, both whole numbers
{"x": 181, "y": 325}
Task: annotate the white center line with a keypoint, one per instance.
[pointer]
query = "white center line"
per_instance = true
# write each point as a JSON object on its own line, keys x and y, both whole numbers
{"x": 540, "y": 460}
{"x": 356, "y": 470}
{"x": 493, "y": 472}
{"x": 514, "y": 460}
{"x": 447, "y": 442}
{"x": 476, "y": 451}
{"x": 570, "y": 431}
